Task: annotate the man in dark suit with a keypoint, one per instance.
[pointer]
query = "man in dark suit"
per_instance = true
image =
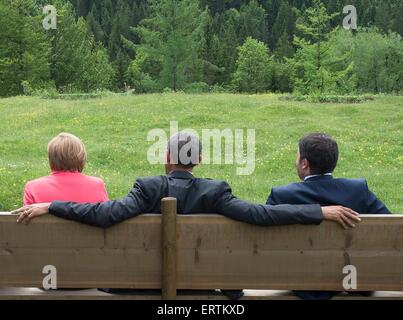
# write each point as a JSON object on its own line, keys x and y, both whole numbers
{"x": 194, "y": 195}
{"x": 316, "y": 160}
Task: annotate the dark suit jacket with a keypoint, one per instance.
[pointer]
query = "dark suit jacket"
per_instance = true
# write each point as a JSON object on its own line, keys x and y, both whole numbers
{"x": 351, "y": 193}
{"x": 194, "y": 195}
{"x": 323, "y": 189}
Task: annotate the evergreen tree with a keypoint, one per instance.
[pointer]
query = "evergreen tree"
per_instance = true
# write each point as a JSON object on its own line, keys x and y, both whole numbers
{"x": 284, "y": 26}
{"x": 94, "y": 26}
{"x": 99, "y": 73}
{"x": 383, "y": 16}
{"x": 83, "y": 7}
{"x": 142, "y": 72}
{"x": 284, "y": 48}
{"x": 253, "y": 22}
{"x": 226, "y": 43}
{"x": 120, "y": 65}
{"x": 172, "y": 34}
{"x": 25, "y": 51}
{"x": 106, "y": 19}
{"x": 378, "y": 62}
{"x": 209, "y": 53}
{"x": 311, "y": 61}
{"x": 119, "y": 54}
{"x": 177, "y": 43}
{"x": 253, "y": 67}
{"x": 397, "y": 25}
{"x": 77, "y": 61}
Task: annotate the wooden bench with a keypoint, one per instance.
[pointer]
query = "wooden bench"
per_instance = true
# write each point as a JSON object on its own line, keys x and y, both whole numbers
{"x": 171, "y": 252}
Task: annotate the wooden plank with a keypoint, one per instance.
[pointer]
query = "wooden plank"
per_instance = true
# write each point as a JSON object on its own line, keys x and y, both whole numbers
{"x": 282, "y": 270}
{"x": 169, "y": 252}
{"x": 212, "y": 231}
{"x": 84, "y": 256}
{"x": 83, "y": 268}
{"x": 213, "y": 252}
{"x": 233, "y": 255}
{"x": 48, "y": 232}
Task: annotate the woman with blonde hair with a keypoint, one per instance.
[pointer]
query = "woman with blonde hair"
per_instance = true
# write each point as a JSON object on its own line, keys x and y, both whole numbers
{"x": 67, "y": 156}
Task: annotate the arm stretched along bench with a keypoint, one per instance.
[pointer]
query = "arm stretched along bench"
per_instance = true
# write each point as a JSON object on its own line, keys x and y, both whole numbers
{"x": 202, "y": 252}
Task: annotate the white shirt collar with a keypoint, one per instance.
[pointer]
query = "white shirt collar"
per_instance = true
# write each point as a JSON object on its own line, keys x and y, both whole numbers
{"x": 181, "y": 171}
{"x": 317, "y": 175}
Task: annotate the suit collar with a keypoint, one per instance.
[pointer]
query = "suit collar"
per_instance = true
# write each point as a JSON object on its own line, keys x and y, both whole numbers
{"x": 318, "y": 177}
{"x": 181, "y": 175}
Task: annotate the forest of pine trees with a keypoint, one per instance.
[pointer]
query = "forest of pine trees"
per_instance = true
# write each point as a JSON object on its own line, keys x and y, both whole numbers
{"x": 250, "y": 46}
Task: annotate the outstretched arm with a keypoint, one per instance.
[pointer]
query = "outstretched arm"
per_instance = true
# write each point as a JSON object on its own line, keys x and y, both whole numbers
{"x": 104, "y": 214}
{"x": 230, "y": 206}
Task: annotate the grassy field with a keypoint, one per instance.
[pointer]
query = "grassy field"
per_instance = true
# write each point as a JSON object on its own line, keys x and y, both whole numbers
{"x": 114, "y": 129}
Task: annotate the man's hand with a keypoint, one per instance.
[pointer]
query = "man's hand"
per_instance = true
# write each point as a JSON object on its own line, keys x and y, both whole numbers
{"x": 345, "y": 216}
{"x": 27, "y": 213}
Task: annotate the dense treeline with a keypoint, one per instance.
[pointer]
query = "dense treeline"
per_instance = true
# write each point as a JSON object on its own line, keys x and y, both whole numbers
{"x": 201, "y": 45}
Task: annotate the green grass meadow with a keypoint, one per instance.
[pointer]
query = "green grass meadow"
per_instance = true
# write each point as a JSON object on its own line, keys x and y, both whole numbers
{"x": 114, "y": 129}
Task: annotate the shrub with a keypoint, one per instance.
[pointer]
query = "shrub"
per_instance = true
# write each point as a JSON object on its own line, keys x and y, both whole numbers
{"x": 219, "y": 88}
{"x": 26, "y": 88}
{"x": 282, "y": 78}
{"x": 197, "y": 87}
{"x": 322, "y": 98}
{"x": 167, "y": 90}
{"x": 253, "y": 68}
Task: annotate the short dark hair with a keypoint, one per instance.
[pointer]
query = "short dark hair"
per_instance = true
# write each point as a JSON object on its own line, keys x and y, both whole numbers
{"x": 179, "y": 142}
{"x": 321, "y": 151}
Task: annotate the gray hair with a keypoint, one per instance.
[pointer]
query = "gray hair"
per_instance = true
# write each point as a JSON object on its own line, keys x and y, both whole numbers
{"x": 185, "y": 149}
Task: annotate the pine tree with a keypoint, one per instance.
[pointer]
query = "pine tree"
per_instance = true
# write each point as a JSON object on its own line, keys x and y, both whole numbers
{"x": 142, "y": 72}
{"x": 172, "y": 34}
{"x": 311, "y": 59}
{"x": 178, "y": 43}
{"x": 77, "y": 61}
{"x": 378, "y": 62}
{"x": 106, "y": 19}
{"x": 99, "y": 73}
{"x": 284, "y": 48}
{"x": 119, "y": 54}
{"x": 253, "y": 22}
{"x": 398, "y": 20}
{"x": 383, "y": 16}
{"x": 284, "y": 25}
{"x": 83, "y": 7}
{"x": 121, "y": 24}
{"x": 25, "y": 51}
{"x": 226, "y": 43}
{"x": 209, "y": 53}
{"x": 253, "y": 67}
{"x": 94, "y": 26}
{"x": 120, "y": 65}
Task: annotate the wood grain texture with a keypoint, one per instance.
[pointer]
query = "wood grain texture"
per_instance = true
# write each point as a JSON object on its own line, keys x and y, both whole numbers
{"x": 212, "y": 252}
{"x": 169, "y": 249}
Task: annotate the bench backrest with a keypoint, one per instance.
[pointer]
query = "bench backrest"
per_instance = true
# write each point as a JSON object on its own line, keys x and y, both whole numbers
{"x": 204, "y": 252}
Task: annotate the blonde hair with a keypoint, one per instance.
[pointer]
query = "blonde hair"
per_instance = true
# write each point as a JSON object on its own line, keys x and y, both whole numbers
{"x": 66, "y": 153}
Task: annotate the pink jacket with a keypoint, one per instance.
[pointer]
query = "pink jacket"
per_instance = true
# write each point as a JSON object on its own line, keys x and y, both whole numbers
{"x": 65, "y": 186}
